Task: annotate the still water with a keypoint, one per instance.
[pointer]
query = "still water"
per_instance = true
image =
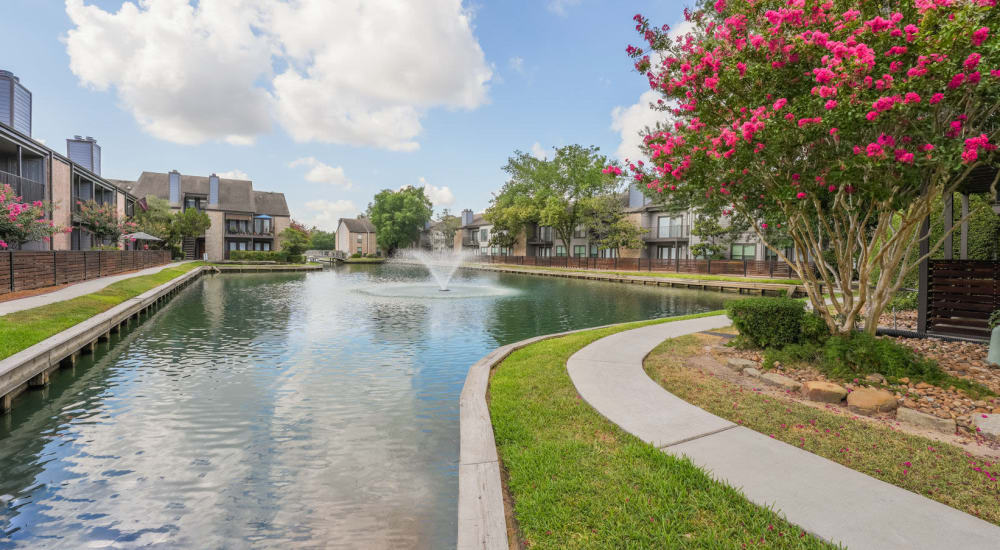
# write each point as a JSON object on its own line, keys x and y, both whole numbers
{"x": 311, "y": 410}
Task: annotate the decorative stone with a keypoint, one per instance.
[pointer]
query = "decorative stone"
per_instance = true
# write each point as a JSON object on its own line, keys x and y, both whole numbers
{"x": 989, "y": 427}
{"x": 875, "y": 378}
{"x": 825, "y": 392}
{"x": 751, "y": 372}
{"x": 781, "y": 381}
{"x": 738, "y": 364}
{"x": 869, "y": 401}
{"x": 924, "y": 420}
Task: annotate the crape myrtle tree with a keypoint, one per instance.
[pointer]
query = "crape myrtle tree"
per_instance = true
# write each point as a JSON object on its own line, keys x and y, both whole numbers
{"x": 103, "y": 222}
{"x": 398, "y": 216}
{"x": 841, "y": 122}
{"x": 559, "y": 193}
{"x": 22, "y": 222}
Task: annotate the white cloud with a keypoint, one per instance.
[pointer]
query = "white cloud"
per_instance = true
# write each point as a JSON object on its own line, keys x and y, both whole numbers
{"x": 320, "y": 172}
{"x": 538, "y": 151}
{"x": 234, "y": 175}
{"x": 439, "y": 196}
{"x": 324, "y": 214}
{"x": 630, "y": 121}
{"x": 517, "y": 64}
{"x": 559, "y": 6}
{"x": 358, "y": 72}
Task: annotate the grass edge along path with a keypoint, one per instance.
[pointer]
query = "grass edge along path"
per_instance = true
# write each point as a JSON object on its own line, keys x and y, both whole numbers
{"x": 22, "y": 329}
{"x": 660, "y": 274}
{"x": 930, "y": 468}
{"x": 577, "y": 480}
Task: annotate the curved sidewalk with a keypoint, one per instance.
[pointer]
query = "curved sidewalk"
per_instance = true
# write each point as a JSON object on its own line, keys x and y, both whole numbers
{"x": 824, "y": 498}
{"x": 76, "y": 290}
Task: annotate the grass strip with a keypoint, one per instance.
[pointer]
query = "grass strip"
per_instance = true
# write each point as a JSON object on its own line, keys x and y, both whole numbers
{"x": 579, "y": 481}
{"x": 939, "y": 471}
{"x": 687, "y": 276}
{"x": 22, "y": 329}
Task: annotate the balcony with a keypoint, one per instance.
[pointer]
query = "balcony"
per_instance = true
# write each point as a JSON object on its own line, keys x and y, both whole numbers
{"x": 28, "y": 190}
{"x": 667, "y": 233}
{"x": 467, "y": 241}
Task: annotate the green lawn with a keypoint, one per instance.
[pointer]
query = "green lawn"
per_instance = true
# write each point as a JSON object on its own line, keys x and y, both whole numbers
{"x": 936, "y": 470}
{"x": 364, "y": 260}
{"x": 23, "y": 329}
{"x": 691, "y": 276}
{"x": 579, "y": 481}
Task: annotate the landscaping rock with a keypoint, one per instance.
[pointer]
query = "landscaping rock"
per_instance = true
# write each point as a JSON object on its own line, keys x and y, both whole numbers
{"x": 869, "y": 401}
{"x": 781, "y": 381}
{"x": 924, "y": 420}
{"x": 738, "y": 364}
{"x": 988, "y": 424}
{"x": 825, "y": 392}
{"x": 875, "y": 378}
{"x": 751, "y": 372}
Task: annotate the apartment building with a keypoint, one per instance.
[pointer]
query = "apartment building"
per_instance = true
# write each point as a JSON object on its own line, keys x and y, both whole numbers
{"x": 357, "y": 236}
{"x": 242, "y": 217}
{"x": 37, "y": 172}
{"x": 474, "y": 235}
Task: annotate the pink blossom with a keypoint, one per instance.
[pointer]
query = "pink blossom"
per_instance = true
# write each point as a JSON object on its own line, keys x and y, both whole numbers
{"x": 927, "y": 147}
{"x": 830, "y": 104}
{"x": 874, "y": 150}
{"x": 872, "y": 115}
{"x": 832, "y": 188}
{"x": 763, "y": 226}
{"x": 956, "y": 81}
{"x": 780, "y": 103}
{"x": 911, "y": 97}
{"x": 980, "y": 35}
{"x": 800, "y": 195}
{"x": 974, "y": 77}
{"x": 936, "y": 98}
{"x": 833, "y": 131}
{"x": 972, "y": 61}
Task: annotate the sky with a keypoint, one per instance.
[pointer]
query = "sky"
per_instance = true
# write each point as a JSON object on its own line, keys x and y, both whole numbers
{"x": 331, "y": 101}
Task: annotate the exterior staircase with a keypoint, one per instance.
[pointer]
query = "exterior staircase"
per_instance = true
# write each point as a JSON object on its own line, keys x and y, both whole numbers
{"x": 188, "y": 246}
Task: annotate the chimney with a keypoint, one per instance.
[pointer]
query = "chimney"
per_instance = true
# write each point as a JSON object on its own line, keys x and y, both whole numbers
{"x": 213, "y": 190}
{"x": 15, "y": 103}
{"x": 175, "y": 188}
{"x": 85, "y": 152}
{"x": 467, "y": 217}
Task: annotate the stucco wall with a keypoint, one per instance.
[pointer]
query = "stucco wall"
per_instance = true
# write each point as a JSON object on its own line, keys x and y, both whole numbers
{"x": 281, "y": 223}
{"x": 215, "y": 235}
{"x": 62, "y": 203}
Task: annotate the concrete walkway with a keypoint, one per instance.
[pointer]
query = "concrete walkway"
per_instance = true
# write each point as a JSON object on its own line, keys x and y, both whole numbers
{"x": 824, "y": 498}
{"x": 75, "y": 290}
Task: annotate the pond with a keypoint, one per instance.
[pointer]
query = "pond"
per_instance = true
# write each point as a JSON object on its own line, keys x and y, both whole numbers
{"x": 281, "y": 410}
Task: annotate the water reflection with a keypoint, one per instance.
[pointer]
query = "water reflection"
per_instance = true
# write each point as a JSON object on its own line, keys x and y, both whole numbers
{"x": 279, "y": 410}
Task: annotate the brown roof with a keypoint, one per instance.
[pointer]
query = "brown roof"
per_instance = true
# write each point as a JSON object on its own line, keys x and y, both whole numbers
{"x": 234, "y": 195}
{"x": 357, "y": 225}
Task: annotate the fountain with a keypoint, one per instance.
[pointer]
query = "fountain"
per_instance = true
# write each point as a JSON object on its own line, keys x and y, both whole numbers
{"x": 442, "y": 264}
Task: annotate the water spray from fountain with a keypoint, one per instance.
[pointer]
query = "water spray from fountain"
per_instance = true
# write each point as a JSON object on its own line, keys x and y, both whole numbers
{"x": 441, "y": 263}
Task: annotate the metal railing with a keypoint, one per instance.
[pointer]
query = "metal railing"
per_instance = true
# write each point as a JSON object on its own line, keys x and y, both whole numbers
{"x": 657, "y": 232}
{"x": 28, "y": 190}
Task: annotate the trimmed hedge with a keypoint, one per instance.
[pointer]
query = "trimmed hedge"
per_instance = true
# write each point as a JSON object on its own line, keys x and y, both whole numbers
{"x": 266, "y": 256}
{"x": 767, "y": 322}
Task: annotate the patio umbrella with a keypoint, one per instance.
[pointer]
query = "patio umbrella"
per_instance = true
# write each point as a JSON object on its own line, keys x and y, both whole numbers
{"x": 140, "y": 236}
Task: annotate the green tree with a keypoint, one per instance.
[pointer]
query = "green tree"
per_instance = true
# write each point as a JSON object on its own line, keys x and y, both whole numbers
{"x": 398, "y": 217}
{"x": 322, "y": 240}
{"x": 157, "y": 220}
{"x": 502, "y": 236}
{"x": 190, "y": 223}
{"x": 555, "y": 193}
{"x": 102, "y": 221}
{"x": 607, "y": 225}
{"x": 715, "y": 238}
{"x": 294, "y": 240}
{"x": 448, "y": 225}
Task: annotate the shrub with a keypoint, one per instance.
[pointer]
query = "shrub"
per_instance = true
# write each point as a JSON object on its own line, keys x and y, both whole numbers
{"x": 767, "y": 322}
{"x": 259, "y": 255}
{"x": 903, "y": 300}
{"x": 356, "y": 255}
{"x": 296, "y": 259}
{"x": 813, "y": 329}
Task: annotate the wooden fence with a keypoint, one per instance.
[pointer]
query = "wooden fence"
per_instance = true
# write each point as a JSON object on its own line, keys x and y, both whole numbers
{"x": 740, "y": 268}
{"x": 961, "y": 294}
{"x": 26, "y": 270}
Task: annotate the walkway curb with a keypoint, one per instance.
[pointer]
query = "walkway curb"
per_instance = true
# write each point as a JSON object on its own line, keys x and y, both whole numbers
{"x": 32, "y": 366}
{"x": 826, "y": 499}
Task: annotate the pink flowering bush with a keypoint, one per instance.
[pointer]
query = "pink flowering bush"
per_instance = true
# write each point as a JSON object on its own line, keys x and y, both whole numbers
{"x": 22, "y": 222}
{"x": 102, "y": 220}
{"x": 876, "y": 108}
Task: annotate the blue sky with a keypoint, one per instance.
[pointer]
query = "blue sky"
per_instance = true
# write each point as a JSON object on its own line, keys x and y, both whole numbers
{"x": 549, "y": 73}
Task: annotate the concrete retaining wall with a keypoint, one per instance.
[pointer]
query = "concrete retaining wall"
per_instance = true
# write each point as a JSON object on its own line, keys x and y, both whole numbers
{"x": 32, "y": 366}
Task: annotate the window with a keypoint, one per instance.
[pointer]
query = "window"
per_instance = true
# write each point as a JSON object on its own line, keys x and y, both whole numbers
{"x": 543, "y": 234}
{"x": 560, "y": 251}
{"x": 609, "y": 253}
{"x": 232, "y": 245}
{"x": 129, "y": 208}
{"x": 360, "y": 239}
{"x": 771, "y": 255}
{"x": 669, "y": 227}
{"x": 544, "y": 251}
{"x": 743, "y": 252}
{"x": 484, "y": 235}
{"x": 266, "y": 247}
{"x": 580, "y": 231}
{"x": 666, "y": 253}
{"x": 359, "y": 250}
{"x": 193, "y": 202}
{"x": 593, "y": 251}
{"x": 262, "y": 226}
{"x": 580, "y": 251}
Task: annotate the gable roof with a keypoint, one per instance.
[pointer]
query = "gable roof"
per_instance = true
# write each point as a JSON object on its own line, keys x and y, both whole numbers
{"x": 234, "y": 195}
{"x": 356, "y": 225}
